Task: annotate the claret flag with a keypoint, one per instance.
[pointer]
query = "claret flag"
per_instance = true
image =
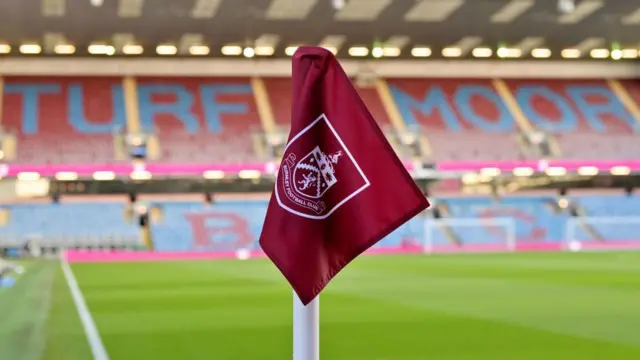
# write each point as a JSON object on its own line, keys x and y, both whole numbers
{"x": 340, "y": 187}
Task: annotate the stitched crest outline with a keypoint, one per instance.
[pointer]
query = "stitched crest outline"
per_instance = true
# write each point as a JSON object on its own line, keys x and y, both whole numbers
{"x": 306, "y": 179}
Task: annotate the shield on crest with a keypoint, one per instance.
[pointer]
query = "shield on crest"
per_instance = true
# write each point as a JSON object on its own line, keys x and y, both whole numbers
{"x": 314, "y": 174}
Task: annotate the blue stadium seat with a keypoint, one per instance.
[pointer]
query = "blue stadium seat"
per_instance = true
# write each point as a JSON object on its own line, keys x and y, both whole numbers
{"x": 193, "y": 226}
{"x": 611, "y": 212}
{"x": 68, "y": 221}
{"x": 231, "y": 225}
{"x": 534, "y": 219}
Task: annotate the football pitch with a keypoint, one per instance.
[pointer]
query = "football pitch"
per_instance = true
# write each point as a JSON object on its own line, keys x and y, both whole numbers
{"x": 549, "y": 306}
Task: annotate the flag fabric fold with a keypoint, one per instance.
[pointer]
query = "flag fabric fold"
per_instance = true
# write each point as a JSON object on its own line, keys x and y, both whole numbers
{"x": 340, "y": 187}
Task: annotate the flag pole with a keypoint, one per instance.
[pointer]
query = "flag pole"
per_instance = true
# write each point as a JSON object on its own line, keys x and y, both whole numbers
{"x": 306, "y": 329}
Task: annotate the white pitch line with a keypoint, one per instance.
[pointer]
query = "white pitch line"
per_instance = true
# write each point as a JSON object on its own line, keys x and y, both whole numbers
{"x": 90, "y": 329}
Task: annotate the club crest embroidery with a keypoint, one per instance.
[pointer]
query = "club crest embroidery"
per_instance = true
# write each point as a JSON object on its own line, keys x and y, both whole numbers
{"x": 315, "y": 179}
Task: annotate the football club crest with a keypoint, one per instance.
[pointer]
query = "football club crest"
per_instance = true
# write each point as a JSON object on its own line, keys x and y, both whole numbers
{"x": 316, "y": 179}
{"x": 315, "y": 174}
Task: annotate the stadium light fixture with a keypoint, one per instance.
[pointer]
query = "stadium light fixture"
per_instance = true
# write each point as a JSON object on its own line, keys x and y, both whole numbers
{"x": 264, "y": 50}
{"x": 391, "y": 51}
{"x": 333, "y": 49}
{"x": 421, "y": 51}
{"x": 629, "y": 53}
{"x": 5, "y": 48}
{"x": 140, "y": 175}
{"x": 566, "y": 6}
{"x": 482, "y": 52}
{"x": 199, "y": 50}
{"x": 408, "y": 139}
{"x": 249, "y": 174}
{"x": 570, "y": 53}
{"x": 470, "y": 178}
{"x": 290, "y": 50}
{"x": 616, "y": 54}
{"x": 377, "y": 52}
{"x": 28, "y": 176}
{"x": 504, "y": 52}
{"x": 490, "y": 171}
{"x": 588, "y": 170}
{"x": 64, "y": 49}
{"x": 249, "y": 52}
{"x": 30, "y": 49}
{"x": 541, "y": 53}
{"x": 66, "y": 176}
{"x": 555, "y": 171}
{"x": 338, "y": 4}
{"x": 104, "y": 175}
{"x": 132, "y": 49}
{"x": 523, "y": 171}
{"x": 620, "y": 170}
{"x": 166, "y": 50}
{"x": 101, "y": 49}
{"x": 231, "y": 50}
{"x": 213, "y": 174}
{"x": 358, "y": 51}
{"x": 599, "y": 53}
{"x": 451, "y": 52}
{"x": 563, "y": 203}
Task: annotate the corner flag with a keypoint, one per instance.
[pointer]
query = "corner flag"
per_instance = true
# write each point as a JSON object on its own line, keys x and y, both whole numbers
{"x": 340, "y": 187}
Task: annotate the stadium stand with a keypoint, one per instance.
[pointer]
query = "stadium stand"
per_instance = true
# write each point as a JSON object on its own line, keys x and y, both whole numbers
{"x": 578, "y": 113}
{"x": 216, "y": 120}
{"x": 279, "y": 93}
{"x": 63, "y": 120}
{"x": 231, "y": 225}
{"x": 468, "y": 119}
{"x": 202, "y": 120}
{"x": 462, "y": 119}
{"x": 69, "y": 225}
{"x": 603, "y": 221}
{"x": 279, "y": 90}
{"x": 189, "y": 226}
{"x": 235, "y": 224}
{"x": 536, "y": 219}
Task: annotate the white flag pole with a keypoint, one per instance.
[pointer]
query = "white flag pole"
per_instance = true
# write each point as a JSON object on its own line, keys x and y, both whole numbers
{"x": 306, "y": 329}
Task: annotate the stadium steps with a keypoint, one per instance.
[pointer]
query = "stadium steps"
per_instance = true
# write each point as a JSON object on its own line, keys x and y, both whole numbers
{"x": 521, "y": 120}
{"x": 397, "y": 121}
{"x": 391, "y": 138}
{"x": 449, "y": 234}
{"x": 130, "y": 88}
{"x": 133, "y": 123}
{"x": 588, "y": 229}
{"x": 9, "y": 146}
{"x": 147, "y": 239}
{"x": 625, "y": 98}
{"x": 8, "y": 140}
{"x": 267, "y": 118}
{"x": 153, "y": 147}
{"x": 259, "y": 147}
{"x": 120, "y": 152}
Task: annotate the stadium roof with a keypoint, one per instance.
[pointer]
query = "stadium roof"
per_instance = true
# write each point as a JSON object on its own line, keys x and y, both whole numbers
{"x": 403, "y": 28}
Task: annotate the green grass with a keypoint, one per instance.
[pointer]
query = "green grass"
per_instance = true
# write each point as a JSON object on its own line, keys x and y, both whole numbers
{"x": 459, "y": 307}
